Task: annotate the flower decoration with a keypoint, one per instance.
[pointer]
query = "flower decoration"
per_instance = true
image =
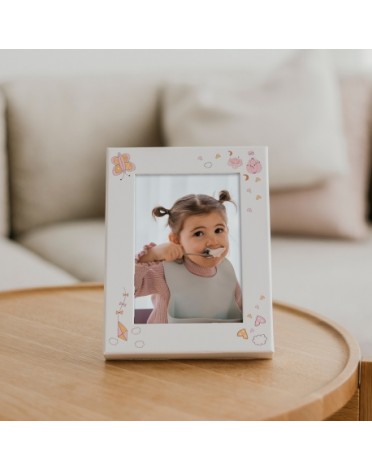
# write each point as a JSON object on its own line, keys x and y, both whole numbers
{"x": 235, "y": 162}
{"x": 254, "y": 166}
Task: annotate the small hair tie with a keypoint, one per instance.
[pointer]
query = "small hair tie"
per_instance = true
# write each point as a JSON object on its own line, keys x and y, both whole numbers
{"x": 164, "y": 211}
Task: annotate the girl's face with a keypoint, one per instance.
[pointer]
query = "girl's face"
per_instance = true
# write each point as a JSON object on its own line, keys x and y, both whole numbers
{"x": 200, "y": 232}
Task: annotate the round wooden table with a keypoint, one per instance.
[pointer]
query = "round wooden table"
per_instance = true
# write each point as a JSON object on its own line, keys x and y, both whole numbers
{"x": 52, "y": 368}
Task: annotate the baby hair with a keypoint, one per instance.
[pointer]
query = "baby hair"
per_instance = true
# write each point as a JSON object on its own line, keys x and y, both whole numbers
{"x": 191, "y": 205}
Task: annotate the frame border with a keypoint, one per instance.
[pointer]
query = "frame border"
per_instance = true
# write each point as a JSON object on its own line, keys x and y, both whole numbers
{"x": 252, "y": 338}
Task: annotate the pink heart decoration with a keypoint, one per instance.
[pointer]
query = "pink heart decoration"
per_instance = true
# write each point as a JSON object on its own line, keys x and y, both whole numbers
{"x": 259, "y": 320}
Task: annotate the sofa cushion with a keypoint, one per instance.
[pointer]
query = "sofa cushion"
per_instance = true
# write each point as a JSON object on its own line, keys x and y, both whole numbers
{"x": 4, "y": 223}
{"x": 370, "y": 196}
{"x": 58, "y": 133}
{"x": 20, "y": 268}
{"x": 77, "y": 247}
{"x": 332, "y": 278}
{"x": 337, "y": 207}
{"x": 295, "y": 112}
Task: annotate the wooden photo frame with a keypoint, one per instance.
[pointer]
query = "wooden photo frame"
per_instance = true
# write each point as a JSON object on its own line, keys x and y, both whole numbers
{"x": 173, "y": 325}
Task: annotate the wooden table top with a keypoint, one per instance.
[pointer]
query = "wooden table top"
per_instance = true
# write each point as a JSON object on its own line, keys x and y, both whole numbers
{"x": 52, "y": 368}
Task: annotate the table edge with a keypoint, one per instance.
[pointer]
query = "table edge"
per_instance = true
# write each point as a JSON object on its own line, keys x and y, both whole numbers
{"x": 338, "y": 391}
{"x": 342, "y": 387}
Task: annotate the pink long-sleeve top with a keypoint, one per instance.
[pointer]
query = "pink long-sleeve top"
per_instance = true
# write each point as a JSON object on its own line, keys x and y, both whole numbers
{"x": 149, "y": 279}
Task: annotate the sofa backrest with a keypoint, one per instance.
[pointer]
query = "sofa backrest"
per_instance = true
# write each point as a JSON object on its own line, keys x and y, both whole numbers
{"x": 4, "y": 223}
{"x": 57, "y": 134}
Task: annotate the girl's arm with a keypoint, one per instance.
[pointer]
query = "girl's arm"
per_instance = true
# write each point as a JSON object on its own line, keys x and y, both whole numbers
{"x": 149, "y": 272}
{"x": 163, "y": 252}
{"x": 149, "y": 279}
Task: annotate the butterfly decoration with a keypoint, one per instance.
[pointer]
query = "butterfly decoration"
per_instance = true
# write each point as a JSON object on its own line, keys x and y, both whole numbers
{"x": 122, "y": 165}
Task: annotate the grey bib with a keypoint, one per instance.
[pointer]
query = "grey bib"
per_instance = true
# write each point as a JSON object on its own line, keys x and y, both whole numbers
{"x": 196, "y": 298}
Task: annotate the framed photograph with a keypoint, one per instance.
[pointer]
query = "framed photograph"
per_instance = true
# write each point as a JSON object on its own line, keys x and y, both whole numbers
{"x": 188, "y": 270}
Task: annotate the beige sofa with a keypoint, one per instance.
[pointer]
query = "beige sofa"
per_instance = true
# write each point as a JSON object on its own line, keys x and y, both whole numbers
{"x": 53, "y": 138}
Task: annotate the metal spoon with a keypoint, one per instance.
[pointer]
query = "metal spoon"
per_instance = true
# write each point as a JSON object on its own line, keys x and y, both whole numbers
{"x": 204, "y": 254}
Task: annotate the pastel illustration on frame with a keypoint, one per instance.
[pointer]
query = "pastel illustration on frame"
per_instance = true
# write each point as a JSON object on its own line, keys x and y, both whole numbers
{"x": 233, "y": 251}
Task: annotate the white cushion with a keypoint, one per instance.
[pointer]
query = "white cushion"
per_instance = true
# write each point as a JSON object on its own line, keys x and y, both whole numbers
{"x": 295, "y": 111}
{"x": 336, "y": 208}
{"x": 4, "y": 224}
{"x": 329, "y": 277}
{"x": 20, "y": 268}
{"x": 77, "y": 247}
{"x": 58, "y": 133}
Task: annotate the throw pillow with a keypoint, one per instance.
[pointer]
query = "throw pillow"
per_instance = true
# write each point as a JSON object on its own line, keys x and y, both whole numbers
{"x": 338, "y": 207}
{"x": 296, "y": 112}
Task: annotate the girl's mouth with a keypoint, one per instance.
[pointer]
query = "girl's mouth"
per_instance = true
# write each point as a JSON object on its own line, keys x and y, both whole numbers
{"x": 208, "y": 253}
{"x": 213, "y": 253}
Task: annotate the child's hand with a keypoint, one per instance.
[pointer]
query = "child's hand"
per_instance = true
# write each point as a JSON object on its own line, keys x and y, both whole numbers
{"x": 168, "y": 252}
{"x": 164, "y": 252}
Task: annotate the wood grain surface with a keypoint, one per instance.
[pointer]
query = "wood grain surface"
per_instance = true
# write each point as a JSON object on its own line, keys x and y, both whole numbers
{"x": 52, "y": 368}
{"x": 366, "y": 389}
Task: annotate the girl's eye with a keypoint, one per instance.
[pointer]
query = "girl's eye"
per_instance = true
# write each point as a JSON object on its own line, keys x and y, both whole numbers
{"x": 219, "y": 230}
{"x": 198, "y": 234}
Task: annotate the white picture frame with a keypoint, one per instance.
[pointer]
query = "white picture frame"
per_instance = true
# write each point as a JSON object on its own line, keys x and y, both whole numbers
{"x": 124, "y": 338}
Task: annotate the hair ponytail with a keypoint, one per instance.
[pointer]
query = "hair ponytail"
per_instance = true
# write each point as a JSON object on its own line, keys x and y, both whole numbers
{"x": 223, "y": 196}
{"x": 160, "y": 211}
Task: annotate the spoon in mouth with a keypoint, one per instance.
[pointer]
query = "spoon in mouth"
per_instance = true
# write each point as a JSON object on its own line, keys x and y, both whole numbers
{"x": 203, "y": 254}
{"x": 209, "y": 253}
{"x": 215, "y": 253}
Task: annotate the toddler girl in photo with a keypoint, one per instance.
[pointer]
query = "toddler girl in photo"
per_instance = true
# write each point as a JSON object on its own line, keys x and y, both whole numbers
{"x": 189, "y": 277}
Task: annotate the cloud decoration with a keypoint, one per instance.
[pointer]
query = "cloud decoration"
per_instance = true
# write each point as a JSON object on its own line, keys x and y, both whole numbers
{"x": 259, "y": 339}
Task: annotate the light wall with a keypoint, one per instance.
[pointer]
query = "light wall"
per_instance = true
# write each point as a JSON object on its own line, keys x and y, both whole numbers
{"x": 29, "y": 63}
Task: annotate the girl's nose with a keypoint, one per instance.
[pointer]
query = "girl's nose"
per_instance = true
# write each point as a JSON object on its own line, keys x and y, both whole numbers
{"x": 212, "y": 240}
